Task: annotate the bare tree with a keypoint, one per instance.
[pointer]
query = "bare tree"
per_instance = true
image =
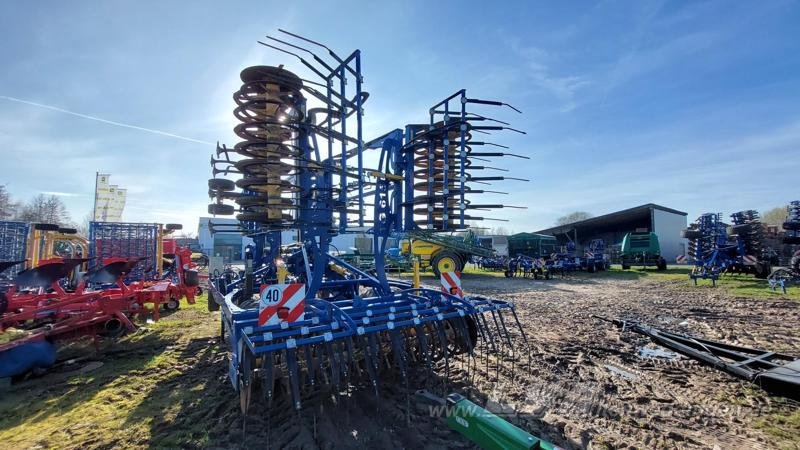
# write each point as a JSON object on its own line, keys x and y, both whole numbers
{"x": 576, "y": 216}
{"x": 8, "y": 208}
{"x": 774, "y": 216}
{"x": 45, "y": 209}
{"x": 501, "y": 231}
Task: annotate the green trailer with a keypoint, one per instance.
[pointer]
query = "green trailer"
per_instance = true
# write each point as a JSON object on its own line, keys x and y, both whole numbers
{"x": 641, "y": 249}
{"x": 533, "y": 245}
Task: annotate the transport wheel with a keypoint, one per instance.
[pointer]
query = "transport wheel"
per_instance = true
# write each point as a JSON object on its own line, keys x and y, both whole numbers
{"x": 219, "y": 209}
{"x": 691, "y": 234}
{"x": 212, "y": 304}
{"x": 172, "y": 304}
{"x": 445, "y": 261}
{"x": 662, "y": 264}
{"x": 625, "y": 266}
{"x": 591, "y": 268}
{"x": 221, "y": 184}
{"x": 763, "y": 270}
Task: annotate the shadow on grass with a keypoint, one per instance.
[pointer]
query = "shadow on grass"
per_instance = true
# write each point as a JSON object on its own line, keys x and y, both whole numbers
{"x": 37, "y": 399}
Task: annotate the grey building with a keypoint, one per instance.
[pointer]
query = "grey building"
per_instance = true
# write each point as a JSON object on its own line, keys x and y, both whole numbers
{"x": 667, "y": 223}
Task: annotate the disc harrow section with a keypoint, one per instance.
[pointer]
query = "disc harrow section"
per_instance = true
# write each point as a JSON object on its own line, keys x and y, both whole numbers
{"x": 270, "y": 108}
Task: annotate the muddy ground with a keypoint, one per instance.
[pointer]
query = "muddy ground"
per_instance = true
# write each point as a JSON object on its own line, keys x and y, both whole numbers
{"x": 585, "y": 384}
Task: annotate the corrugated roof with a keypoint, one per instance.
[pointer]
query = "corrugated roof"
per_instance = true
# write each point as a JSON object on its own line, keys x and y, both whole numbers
{"x": 607, "y": 219}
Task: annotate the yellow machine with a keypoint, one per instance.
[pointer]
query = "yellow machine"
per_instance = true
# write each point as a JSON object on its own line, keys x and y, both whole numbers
{"x": 443, "y": 253}
{"x": 48, "y": 241}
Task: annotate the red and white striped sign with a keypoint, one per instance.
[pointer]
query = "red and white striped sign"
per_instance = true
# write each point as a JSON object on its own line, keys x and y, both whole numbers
{"x": 750, "y": 260}
{"x": 589, "y": 255}
{"x": 451, "y": 283}
{"x": 680, "y": 259}
{"x": 281, "y": 303}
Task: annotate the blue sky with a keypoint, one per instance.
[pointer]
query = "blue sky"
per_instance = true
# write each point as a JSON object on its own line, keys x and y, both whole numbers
{"x": 693, "y": 105}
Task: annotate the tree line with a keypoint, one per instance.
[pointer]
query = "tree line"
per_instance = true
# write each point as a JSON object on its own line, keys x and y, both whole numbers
{"x": 39, "y": 209}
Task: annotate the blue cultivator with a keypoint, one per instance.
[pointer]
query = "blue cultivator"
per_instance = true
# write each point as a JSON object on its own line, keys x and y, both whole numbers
{"x": 715, "y": 252}
{"x": 790, "y": 275}
{"x": 301, "y": 319}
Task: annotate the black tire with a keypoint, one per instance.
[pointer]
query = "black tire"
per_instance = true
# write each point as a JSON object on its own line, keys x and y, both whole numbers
{"x": 220, "y": 209}
{"x": 662, "y": 264}
{"x": 444, "y": 255}
{"x": 792, "y": 240}
{"x": 741, "y": 229}
{"x": 791, "y": 226}
{"x": 625, "y": 266}
{"x": 172, "y": 304}
{"x": 221, "y": 184}
{"x": 590, "y": 267}
{"x": 46, "y": 227}
{"x": 212, "y": 304}
{"x": 691, "y": 234}
{"x": 763, "y": 270}
{"x": 68, "y": 230}
{"x": 191, "y": 278}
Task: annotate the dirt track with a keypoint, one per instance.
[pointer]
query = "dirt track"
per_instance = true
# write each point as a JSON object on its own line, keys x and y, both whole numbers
{"x": 584, "y": 385}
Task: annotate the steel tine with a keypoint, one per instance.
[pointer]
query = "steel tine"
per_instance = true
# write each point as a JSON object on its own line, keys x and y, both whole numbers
{"x": 369, "y": 352}
{"x": 488, "y": 331}
{"x": 351, "y": 357}
{"x": 291, "y": 364}
{"x": 423, "y": 345}
{"x": 320, "y": 366}
{"x": 335, "y": 371}
{"x": 399, "y": 358}
{"x": 268, "y": 377}
{"x": 443, "y": 342}
{"x": 507, "y": 334}
{"x": 310, "y": 365}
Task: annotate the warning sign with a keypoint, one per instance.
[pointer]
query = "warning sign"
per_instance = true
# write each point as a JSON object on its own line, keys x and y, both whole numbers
{"x": 451, "y": 283}
{"x": 281, "y": 303}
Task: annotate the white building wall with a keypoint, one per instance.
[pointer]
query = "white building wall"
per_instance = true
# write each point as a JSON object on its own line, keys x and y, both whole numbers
{"x": 668, "y": 227}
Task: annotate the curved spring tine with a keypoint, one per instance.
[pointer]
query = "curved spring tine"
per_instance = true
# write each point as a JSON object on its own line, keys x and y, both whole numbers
{"x": 369, "y": 352}
{"x": 351, "y": 358}
{"x": 335, "y": 371}
{"x": 439, "y": 326}
{"x": 488, "y": 331}
{"x": 463, "y": 329}
{"x": 507, "y": 334}
{"x": 294, "y": 381}
{"x": 268, "y": 377}
{"x": 310, "y": 365}
{"x": 399, "y": 357}
{"x": 422, "y": 338}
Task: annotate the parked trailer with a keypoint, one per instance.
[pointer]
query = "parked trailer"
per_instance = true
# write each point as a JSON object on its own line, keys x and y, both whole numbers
{"x": 641, "y": 249}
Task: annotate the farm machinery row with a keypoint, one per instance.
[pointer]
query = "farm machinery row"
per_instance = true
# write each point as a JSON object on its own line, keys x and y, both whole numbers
{"x": 81, "y": 287}
{"x": 790, "y": 275}
{"x": 714, "y": 250}
{"x": 535, "y": 264}
{"x": 310, "y": 321}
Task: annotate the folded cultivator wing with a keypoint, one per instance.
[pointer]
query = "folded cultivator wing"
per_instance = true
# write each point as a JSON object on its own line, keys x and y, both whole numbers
{"x": 790, "y": 275}
{"x": 714, "y": 251}
{"x": 301, "y": 319}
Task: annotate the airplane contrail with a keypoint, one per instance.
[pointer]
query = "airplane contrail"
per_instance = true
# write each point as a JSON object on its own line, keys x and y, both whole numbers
{"x": 110, "y": 122}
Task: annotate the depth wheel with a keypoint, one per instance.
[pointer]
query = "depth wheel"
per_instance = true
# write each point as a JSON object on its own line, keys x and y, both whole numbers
{"x": 446, "y": 261}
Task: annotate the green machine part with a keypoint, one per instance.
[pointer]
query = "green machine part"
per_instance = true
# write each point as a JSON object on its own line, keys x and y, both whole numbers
{"x": 487, "y": 430}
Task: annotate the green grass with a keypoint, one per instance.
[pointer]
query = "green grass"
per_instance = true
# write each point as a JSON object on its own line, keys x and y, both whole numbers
{"x": 784, "y": 425}
{"x": 152, "y": 386}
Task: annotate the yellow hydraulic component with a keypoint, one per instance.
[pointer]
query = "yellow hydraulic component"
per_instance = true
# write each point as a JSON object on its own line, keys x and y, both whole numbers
{"x": 416, "y": 273}
{"x": 282, "y": 271}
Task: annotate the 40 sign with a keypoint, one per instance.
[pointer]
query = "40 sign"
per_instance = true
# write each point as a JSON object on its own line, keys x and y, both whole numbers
{"x": 281, "y": 303}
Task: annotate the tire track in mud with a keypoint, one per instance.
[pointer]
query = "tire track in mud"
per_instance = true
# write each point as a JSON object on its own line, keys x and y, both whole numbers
{"x": 676, "y": 403}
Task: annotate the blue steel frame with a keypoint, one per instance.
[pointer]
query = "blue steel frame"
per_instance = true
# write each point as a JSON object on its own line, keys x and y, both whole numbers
{"x": 127, "y": 240}
{"x": 14, "y": 243}
{"x": 349, "y": 314}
